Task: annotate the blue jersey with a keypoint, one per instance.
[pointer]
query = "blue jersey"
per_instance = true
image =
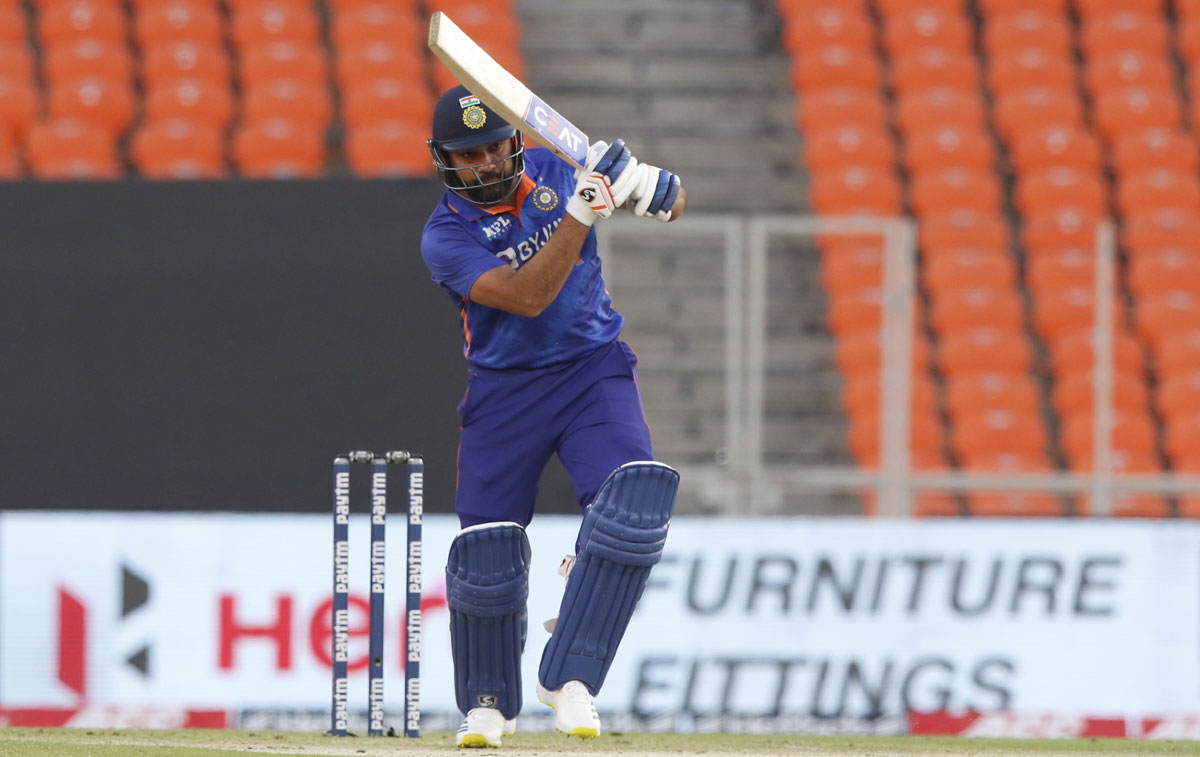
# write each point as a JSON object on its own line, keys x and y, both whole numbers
{"x": 462, "y": 241}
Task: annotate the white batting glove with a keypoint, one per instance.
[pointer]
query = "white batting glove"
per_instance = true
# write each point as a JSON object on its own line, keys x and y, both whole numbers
{"x": 605, "y": 184}
{"x": 655, "y": 192}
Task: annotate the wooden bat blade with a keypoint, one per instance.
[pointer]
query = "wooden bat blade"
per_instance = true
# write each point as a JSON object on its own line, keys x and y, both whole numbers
{"x": 503, "y": 92}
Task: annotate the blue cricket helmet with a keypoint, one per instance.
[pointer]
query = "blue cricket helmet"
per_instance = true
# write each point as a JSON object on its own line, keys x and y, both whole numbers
{"x": 462, "y": 121}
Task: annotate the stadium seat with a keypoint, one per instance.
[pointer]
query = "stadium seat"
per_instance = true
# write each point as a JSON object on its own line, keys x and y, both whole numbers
{"x": 1181, "y": 436}
{"x": 80, "y": 19}
{"x": 1015, "y": 504}
{"x": 860, "y": 394}
{"x": 278, "y": 149}
{"x": 1057, "y": 147}
{"x": 827, "y": 25}
{"x": 377, "y": 60}
{"x": 307, "y": 105}
{"x": 87, "y": 57}
{"x": 853, "y": 310}
{"x": 1098, "y": 8}
{"x": 1072, "y": 393}
{"x": 977, "y": 307}
{"x": 925, "y": 27}
{"x": 840, "y": 106}
{"x": 966, "y": 268}
{"x": 1044, "y": 190}
{"x": 984, "y": 350}
{"x": 274, "y": 22}
{"x": 1062, "y": 268}
{"x": 925, "y": 436}
{"x": 12, "y": 26}
{"x": 998, "y": 431}
{"x": 1188, "y": 40}
{"x": 1160, "y": 313}
{"x": 19, "y": 102}
{"x": 1028, "y": 29}
{"x": 387, "y": 100}
{"x": 1178, "y": 351}
{"x": 191, "y": 99}
{"x": 1125, "y": 29}
{"x": 1128, "y": 505}
{"x": 894, "y": 8}
{"x": 941, "y": 147}
{"x": 178, "y": 149}
{"x": 66, "y": 149}
{"x": 844, "y": 146}
{"x": 859, "y": 352}
{"x": 953, "y": 189}
{"x": 185, "y": 60}
{"x": 835, "y": 66}
{"x": 1060, "y": 228}
{"x": 963, "y": 228}
{"x": 283, "y": 60}
{"x": 1057, "y": 312}
{"x": 1119, "y": 111}
{"x": 971, "y": 393}
{"x": 1147, "y": 149}
{"x": 852, "y": 268}
{"x": 377, "y": 22}
{"x": 933, "y": 67}
{"x": 1035, "y": 108}
{"x": 1132, "y": 432}
{"x": 388, "y": 148}
{"x": 1073, "y": 352}
{"x": 1030, "y": 67}
{"x": 855, "y": 189}
{"x": 1178, "y": 394}
{"x": 16, "y": 61}
{"x": 238, "y": 6}
{"x": 1158, "y": 188}
{"x": 997, "y": 8}
{"x": 178, "y": 21}
{"x": 1164, "y": 227}
{"x": 1128, "y": 68}
{"x": 939, "y": 107}
{"x": 1121, "y": 461}
{"x": 107, "y": 103}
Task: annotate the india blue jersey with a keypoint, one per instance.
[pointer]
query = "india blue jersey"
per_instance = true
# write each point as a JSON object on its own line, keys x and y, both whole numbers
{"x": 461, "y": 242}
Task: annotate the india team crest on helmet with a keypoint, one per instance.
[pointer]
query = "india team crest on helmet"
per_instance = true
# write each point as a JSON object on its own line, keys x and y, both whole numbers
{"x": 545, "y": 198}
{"x": 474, "y": 117}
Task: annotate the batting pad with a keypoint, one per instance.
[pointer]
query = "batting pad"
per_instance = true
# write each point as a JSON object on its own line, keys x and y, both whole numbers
{"x": 621, "y": 538}
{"x": 487, "y": 583}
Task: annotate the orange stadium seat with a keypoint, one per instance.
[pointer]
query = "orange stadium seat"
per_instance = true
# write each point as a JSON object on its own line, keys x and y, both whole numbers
{"x": 88, "y": 57}
{"x": 835, "y": 66}
{"x": 107, "y": 103}
{"x": 1165, "y": 227}
{"x": 378, "y": 22}
{"x": 860, "y": 394}
{"x": 307, "y": 105}
{"x": 859, "y": 352}
{"x": 855, "y": 189}
{"x": 1072, "y": 393}
{"x": 965, "y": 268}
{"x": 977, "y": 307}
{"x": 16, "y": 62}
{"x": 1030, "y": 67}
{"x": 827, "y": 25}
{"x": 1057, "y": 147}
{"x": 926, "y": 27}
{"x": 1036, "y": 108}
{"x": 1158, "y": 188}
{"x": 1134, "y": 109}
{"x": 1007, "y": 462}
{"x": 275, "y": 22}
{"x": 963, "y": 228}
{"x": 1147, "y": 149}
{"x": 1124, "y": 30}
{"x": 237, "y": 6}
{"x": 853, "y": 310}
{"x": 933, "y": 67}
{"x": 79, "y": 19}
{"x": 939, "y": 107}
{"x": 1057, "y": 312}
{"x": 388, "y": 148}
{"x": 178, "y": 149}
{"x": 184, "y": 60}
{"x": 1015, "y": 504}
{"x": 794, "y": 7}
{"x": 1073, "y": 352}
{"x": 1047, "y": 189}
{"x": 997, "y": 8}
{"x": 984, "y": 350}
{"x": 845, "y": 146}
{"x": 1097, "y": 8}
{"x": 1188, "y": 39}
{"x": 941, "y": 147}
{"x": 12, "y": 26}
{"x": 1062, "y": 268}
{"x": 1181, "y": 437}
{"x": 278, "y": 149}
{"x": 191, "y": 99}
{"x": 1060, "y": 228}
{"x": 377, "y": 60}
{"x": 925, "y": 436}
{"x": 387, "y": 100}
{"x": 955, "y": 188}
{"x": 283, "y": 60}
{"x": 840, "y": 106}
{"x": 178, "y": 21}
{"x": 1132, "y": 433}
{"x": 1162, "y": 270}
{"x": 1178, "y": 394}
{"x": 852, "y": 268}
{"x": 892, "y": 8}
{"x": 1122, "y": 461}
{"x": 1128, "y": 505}
{"x": 1160, "y": 313}
{"x": 1177, "y": 352}
{"x": 976, "y": 392}
{"x": 993, "y": 432}
{"x": 18, "y": 106}
{"x": 1027, "y": 29}
{"x": 65, "y": 149}
{"x": 1128, "y": 68}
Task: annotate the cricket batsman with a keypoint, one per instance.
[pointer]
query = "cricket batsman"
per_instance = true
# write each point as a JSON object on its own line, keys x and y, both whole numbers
{"x": 513, "y": 244}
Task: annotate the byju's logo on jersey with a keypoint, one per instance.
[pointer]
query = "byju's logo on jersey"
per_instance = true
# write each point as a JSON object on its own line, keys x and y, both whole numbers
{"x": 545, "y": 198}
{"x": 498, "y": 227}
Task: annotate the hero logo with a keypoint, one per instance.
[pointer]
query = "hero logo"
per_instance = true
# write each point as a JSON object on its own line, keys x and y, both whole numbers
{"x": 496, "y": 229}
{"x": 557, "y": 129}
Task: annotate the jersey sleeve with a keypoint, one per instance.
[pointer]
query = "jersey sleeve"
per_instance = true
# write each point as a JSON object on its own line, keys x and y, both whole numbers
{"x": 454, "y": 259}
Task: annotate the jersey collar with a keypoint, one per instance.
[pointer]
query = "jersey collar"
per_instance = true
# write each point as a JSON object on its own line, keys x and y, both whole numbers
{"x": 472, "y": 212}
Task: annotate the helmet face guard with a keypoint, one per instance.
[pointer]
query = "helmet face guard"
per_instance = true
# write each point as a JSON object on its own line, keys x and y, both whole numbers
{"x": 461, "y": 121}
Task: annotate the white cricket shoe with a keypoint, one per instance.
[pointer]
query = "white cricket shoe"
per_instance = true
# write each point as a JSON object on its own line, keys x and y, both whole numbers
{"x": 484, "y": 726}
{"x": 574, "y": 712}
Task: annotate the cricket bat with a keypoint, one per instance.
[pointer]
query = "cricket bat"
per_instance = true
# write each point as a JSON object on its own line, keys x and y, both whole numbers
{"x": 504, "y": 93}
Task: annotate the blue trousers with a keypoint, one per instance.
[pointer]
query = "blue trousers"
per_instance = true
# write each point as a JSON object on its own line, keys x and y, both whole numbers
{"x": 588, "y": 412}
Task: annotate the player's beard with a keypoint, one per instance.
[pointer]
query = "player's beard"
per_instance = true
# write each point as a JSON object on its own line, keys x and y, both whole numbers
{"x": 494, "y": 188}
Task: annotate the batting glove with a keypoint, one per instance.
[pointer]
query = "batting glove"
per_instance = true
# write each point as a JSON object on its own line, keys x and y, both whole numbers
{"x": 655, "y": 192}
{"x": 604, "y": 184}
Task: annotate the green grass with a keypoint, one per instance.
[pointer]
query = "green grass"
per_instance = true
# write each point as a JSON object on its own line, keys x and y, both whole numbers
{"x": 96, "y": 742}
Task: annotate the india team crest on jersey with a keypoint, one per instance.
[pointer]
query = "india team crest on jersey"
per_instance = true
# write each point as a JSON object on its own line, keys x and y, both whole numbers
{"x": 474, "y": 117}
{"x": 545, "y": 198}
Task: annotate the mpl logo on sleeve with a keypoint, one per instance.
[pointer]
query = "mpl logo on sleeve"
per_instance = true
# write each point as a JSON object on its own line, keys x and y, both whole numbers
{"x": 550, "y": 124}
